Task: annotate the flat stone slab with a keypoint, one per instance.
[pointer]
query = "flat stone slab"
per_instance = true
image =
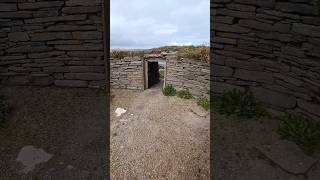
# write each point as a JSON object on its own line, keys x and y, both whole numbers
{"x": 314, "y": 173}
{"x": 288, "y": 156}
{"x": 30, "y": 156}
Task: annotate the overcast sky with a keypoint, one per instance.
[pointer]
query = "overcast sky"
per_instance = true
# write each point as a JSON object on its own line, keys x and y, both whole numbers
{"x": 153, "y": 23}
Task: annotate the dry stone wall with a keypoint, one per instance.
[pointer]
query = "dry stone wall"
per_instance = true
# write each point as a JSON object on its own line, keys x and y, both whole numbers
{"x": 271, "y": 48}
{"x": 127, "y": 73}
{"x": 52, "y": 43}
{"x": 188, "y": 74}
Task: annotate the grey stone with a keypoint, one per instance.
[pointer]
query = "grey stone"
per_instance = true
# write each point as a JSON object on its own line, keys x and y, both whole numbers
{"x": 289, "y": 79}
{"x": 45, "y": 54}
{"x": 85, "y": 76}
{"x": 56, "y": 69}
{"x": 274, "y": 98}
{"x": 87, "y": 35}
{"x": 81, "y": 9}
{"x": 221, "y": 71}
{"x": 304, "y": 29}
{"x": 282, "y": 27}
{"x": 293, "y": 7}
{"x": 293, "y": 51}
{"x": 41, "y": 80}
{"x": 46, "y": 36}
{"x": 288, "y": 156}
{"x": 84, "y": 47}
{"x": 83, "y": 2}
{"x": 240, "y": 7}
{"x": 243, "y": 64}
{"x": 256, "y": 25}
{"x": 224, "y": 40}
{"x": 38, "y": 5}
{"x": 29, "y": 48}
{"x": 236, "y": 14}
{"x": 17, "y": 80}
{"x": 18, "y": 36}
{"x": 221, "y": 87}
{"x": 260, "y": 3}
{"x": 258, "y": 76}
{"x": 71, "y": 83}
{"x": 7, "y": 7}
{"x": 15, "y": 15}
{"x": 98, "y": 69}
{"x": 70, "y": 28}
{"x": 223, "y": 19}
{"x": 314, "y": 172}
{"x": 309, "y": 107}
{"x": 85, "y": 53}
{"x": 56, "y": 19}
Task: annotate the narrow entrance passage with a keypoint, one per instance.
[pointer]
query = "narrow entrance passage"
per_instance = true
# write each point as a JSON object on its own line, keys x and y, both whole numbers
{"x": 153, "y": 73}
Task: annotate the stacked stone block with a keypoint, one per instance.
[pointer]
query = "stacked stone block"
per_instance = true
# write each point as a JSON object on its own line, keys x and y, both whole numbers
{"x": 52, "y": 43}
{"x": 188, "y": 74}
{"x": 271, "y": 48}
{"x": 127, "y": 73}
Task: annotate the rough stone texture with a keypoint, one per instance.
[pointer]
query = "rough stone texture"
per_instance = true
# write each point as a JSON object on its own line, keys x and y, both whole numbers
{"x": 126, "y": 73}
{"x": 44, "y": 43}
{"x": 288, "y": 156}
{"x": 269, "y": 47}
{"x": 190, "y": 74}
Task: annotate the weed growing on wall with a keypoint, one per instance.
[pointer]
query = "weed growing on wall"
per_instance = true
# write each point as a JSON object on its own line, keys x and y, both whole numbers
{"x": 4, "y": 110}
{"x": 203, "y": 102}
{"x": 169, "y": 90}
{"x": 184, "y": 94}
{"x": 302, "y": 131}
{"x": 238, "y": 103}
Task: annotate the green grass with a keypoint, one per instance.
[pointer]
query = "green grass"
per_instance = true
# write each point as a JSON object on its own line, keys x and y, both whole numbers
{"x": 203, "y": 102}
{"x": 238, "y": 103}
{"x": 4, "y": 111}
{"x": 184, "y": 94}
{"x": 169, "y": 90}
{"x": 302, "y": 131}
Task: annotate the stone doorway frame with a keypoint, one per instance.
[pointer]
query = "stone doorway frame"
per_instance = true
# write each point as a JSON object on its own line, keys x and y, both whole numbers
{"x": 145, "y": 71}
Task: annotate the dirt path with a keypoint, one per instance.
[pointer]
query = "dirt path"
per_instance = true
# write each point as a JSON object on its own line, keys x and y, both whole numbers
{"x": 158, "y": 137}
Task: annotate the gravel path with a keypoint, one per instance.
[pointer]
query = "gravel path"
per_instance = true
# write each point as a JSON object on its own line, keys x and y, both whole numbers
{"x": 69, "y": 124}
{"x": 158, "y": 137}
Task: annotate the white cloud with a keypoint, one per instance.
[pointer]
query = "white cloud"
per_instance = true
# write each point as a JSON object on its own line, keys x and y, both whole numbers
{"x": 150, "y": 23}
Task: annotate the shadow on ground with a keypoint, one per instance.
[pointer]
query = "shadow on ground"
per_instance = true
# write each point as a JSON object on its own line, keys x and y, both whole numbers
{"x": 68, "y": 124}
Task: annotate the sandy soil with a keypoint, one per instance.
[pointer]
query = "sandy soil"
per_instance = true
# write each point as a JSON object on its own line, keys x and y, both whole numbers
{"x": 158, "y": 137}
{"x": 70, "y": 124}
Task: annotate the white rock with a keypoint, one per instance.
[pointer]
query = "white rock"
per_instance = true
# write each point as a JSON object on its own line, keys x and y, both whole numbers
{"x": 120, "y": 111}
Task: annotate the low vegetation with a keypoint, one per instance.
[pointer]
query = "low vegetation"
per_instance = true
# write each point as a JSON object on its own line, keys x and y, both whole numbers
{"x": 203, "y": 102}
{"x": 4, "y": 110}
{"x": 161, "y": 72}
{"x": 302, "y": 131}
{"x": 169, "y": 90}
{"x": 201, "y": 52}
{"x": 238, "y": 103}
{"x": 184, "y": 94}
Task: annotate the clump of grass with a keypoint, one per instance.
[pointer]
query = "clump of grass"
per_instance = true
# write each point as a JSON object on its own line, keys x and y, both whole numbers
{"x": 124, "y": 53}
{"x": 169, "y": 90}
{"x": 4, "y": 111}
{"x": 203, "y": 102}
{"x": 301, "y": 131}
{"x": 238, "y": 103}
{"x": 184, "y": 94}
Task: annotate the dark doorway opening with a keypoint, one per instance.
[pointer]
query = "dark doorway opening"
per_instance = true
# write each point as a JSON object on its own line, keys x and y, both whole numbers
{"x": 153, "y": 73}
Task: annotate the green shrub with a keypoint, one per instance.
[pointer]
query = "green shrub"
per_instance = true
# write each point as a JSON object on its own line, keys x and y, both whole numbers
{"x": 4, "y": 110}
{"x": 184, "y": 94}
{"x": 238, "y": 103}
{"x": 302, "y": 131}
{"x": 204, "y": 102}
{"x": 169, "y": 90}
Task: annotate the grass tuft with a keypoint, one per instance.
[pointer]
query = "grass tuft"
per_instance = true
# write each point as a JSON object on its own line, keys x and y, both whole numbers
{"x": 169, "y": 90}
{"x": 203, "y": 102}
{"x": 238, "y": 103}
{"x": 184, "y": 94}
{"x": 301, "y": 131}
